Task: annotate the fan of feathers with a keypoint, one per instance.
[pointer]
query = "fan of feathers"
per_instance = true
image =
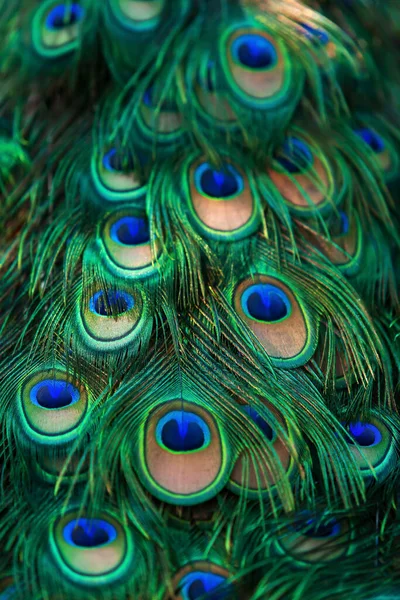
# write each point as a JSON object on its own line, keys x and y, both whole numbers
{"x": 199, "y": 324}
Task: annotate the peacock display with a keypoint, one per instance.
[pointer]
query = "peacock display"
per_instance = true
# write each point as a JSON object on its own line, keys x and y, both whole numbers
{"x": 199, "y": 299}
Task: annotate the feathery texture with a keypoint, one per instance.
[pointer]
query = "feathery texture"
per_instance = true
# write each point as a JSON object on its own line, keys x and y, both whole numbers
{"x": 199, "y": 299}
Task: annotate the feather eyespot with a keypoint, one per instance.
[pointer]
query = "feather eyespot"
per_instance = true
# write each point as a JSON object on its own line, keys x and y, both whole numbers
{"x": 256, "y": 67}
{"x": 56, "y": 27}
{"x": 115, "y": 176}
{"x": 278, "y": 318}
{"x": 381, "y": 148}
{"x": 365, "y": 435}
{"x": 295, "y": 156}
{"x": 52, "y": 407}
{"x": 140, "y": 14}
{"x": 202, "y": 579}
{"x": 373, "y": 140}
{"x": 261, "y": 423}
{"x": 211, "y": 99}
{"x": 110, "y": 319}
{"x": 221, "y": 201}
{"x": 49, "y": 467}
{"x": 161, "y": 117}
{"x": 126, "y": 238}
{"x": 181, "y": 437}
{"x": 311, "y": 540}
{"x": 198, "y": 585}
{"x": 345, "y": 245}
{"x": 115, "y": 162}
{"x": 255, "y": 471}
{"x": 346, "y": 233}
{"x": 373, "y": 446}
{"x": 336, "y": 364}
{"x": 91, "y": 551}
{"x": 302, "y": 176}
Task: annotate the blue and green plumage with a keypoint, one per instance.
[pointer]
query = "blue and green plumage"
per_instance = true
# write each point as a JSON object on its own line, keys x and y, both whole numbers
{"x": 199, "y": 299}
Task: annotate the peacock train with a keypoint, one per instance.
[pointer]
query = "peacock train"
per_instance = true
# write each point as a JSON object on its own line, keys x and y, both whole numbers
{"x": 199, "y": 299}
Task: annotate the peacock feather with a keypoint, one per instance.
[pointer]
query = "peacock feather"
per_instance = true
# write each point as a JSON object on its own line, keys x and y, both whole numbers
{"x": 199, "y": 292}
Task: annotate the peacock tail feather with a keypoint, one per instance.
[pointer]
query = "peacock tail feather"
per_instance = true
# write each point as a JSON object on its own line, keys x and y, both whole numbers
{"x": 199, "y": 292}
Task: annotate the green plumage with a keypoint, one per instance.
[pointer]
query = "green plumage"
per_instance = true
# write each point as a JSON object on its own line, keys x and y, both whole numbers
{"x": 199, "y": 312}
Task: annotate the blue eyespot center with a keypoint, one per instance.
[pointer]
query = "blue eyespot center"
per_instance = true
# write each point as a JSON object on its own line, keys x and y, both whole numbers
{"x": 330, "y": 528}
{"x": 118, "y": 162}
{"x": 111, "y": 303}
{"x": 64, "y": 15}
{"x": 370, "y": 137}
{"x": 266, "y": 302}
{"x": 364, "y": 434}
{"x": 89, "y": 533}
{"x": 150, "y": 100}
{"x": 260, "y": 422}
{"x": 316, "y": 36}
{"x": 223, "y": 183}
{"x": 254, "y": 51}
{"x": 148, "y": 97}
{"x": 54, "y": 393}
{"x": 341, "y": 225}
{"x": 295, "y": 156}
{"x": 181, "y": 431}
{"x": 314, "y": 528}
{"x": 52, "y": 396}
{"x": 131, "y": 231}
{"x": 345, "y": 223}
{"x": 198, "y": 585}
